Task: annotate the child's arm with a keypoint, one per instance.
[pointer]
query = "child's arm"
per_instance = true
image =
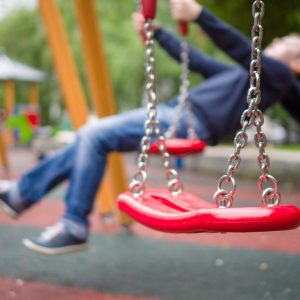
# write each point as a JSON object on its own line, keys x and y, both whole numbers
{"x": 227, "y": 38}
{"x": 198, "y": 62}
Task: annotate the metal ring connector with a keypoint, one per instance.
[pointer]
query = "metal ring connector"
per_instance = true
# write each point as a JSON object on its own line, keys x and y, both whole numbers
{"x": 223, "y": 199}
{"x": 270, "y": 197}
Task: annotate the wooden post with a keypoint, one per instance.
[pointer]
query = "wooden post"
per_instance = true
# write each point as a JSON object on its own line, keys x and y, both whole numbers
{"x": 33, "y": 98}
{"x": 101, "y": 91}
{"x": 10, "y": 100}
{"x": 3, "y": 152}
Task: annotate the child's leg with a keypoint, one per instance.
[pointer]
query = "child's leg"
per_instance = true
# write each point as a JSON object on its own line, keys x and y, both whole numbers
{"x": 117, "y": 133}
{"x": 94, "y": 141}
{"x": 15, "y": 197}
{"x": 54, "y": 169}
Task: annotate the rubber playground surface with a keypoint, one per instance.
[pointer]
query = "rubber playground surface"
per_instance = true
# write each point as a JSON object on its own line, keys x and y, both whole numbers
{"x": 141, "y": 264}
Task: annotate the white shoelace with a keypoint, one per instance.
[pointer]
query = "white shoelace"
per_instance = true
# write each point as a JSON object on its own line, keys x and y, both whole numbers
{"x": 52, "y": 231}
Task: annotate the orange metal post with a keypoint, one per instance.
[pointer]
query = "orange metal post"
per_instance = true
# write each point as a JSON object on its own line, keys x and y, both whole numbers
{"x": 98, "y": 74}
{"x": 33, "y": 94}
{"x": 64, "y": 63}
{"x": 65, "y": 67}
{"x": 101, "y": 90}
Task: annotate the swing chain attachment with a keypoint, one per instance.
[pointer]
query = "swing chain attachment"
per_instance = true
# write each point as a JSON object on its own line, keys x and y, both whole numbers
{"x": 152, "y": 127}
{"x": 252, "y": 116}
{"x": 224, "y": 199}
{"x": 183, "y": 102}
{"x": 270, "y": 195}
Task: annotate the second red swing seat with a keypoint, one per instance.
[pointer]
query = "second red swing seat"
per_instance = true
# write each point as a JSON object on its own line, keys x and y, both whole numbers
{"x": 159, "y": 210}
{"x": 180, "y": 147}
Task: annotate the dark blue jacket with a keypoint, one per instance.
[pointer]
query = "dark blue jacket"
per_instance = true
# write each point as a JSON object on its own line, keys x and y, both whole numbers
{"x": 220, "y": 100}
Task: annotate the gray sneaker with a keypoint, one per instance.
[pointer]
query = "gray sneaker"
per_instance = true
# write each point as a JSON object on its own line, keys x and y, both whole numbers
{"x": 55, "y": 240}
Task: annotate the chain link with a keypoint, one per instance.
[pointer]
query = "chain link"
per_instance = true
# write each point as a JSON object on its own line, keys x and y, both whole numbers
{"x": 252, "y": 116}
{"x": 137, "y": 185}
{"x": 183, "y": 102}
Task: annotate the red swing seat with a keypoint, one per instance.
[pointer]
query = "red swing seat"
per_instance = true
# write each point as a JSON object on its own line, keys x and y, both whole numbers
{"x": 180, "y": 147}
{"x": 187, "y": 213}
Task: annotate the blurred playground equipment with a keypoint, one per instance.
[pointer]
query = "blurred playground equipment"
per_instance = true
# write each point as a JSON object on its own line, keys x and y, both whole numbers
{"x": 73, "y": 95}
{"x": 24, "y": 118}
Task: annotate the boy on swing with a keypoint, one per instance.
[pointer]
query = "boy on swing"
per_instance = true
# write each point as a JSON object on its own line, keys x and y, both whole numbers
{"x": 212, "y": 103}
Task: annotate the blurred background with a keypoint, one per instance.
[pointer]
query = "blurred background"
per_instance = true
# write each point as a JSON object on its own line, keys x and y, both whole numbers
{"x": 138, "y": 263}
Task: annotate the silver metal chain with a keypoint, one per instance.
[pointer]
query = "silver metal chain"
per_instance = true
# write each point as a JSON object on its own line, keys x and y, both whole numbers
{"x": 183, "y": 102}
{"x": 252, "y": 116}
{"x": 152, "y": 128}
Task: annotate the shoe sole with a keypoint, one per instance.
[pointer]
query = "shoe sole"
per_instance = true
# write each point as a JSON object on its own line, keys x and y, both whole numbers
{"x": 53, "y": 251}
{"x": 8, "y": 210}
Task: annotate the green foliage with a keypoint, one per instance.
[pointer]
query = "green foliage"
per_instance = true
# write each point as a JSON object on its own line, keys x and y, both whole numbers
{"x": 21, "y": 123}
{"x": 22, "y": 35}
{"x": 281, "y": 17}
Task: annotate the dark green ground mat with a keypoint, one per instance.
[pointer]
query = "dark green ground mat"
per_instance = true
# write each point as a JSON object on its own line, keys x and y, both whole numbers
{"x": 125, "y": 264}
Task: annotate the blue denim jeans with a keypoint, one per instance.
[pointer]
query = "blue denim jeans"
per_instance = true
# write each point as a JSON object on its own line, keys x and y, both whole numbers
{"x": 83, "y": 162}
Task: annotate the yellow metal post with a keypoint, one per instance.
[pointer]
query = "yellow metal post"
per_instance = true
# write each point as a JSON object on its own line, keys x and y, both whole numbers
{"x": 64, "y": 63}
{"x": 101, "y": 90}
{"x": 33, "y": 94}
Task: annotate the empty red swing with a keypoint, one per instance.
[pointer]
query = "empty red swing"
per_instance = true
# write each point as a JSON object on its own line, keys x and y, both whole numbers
{"x": 176, "y": 211}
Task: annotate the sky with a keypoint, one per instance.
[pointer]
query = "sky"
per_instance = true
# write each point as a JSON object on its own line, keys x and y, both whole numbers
{"x": 6, "y": 6}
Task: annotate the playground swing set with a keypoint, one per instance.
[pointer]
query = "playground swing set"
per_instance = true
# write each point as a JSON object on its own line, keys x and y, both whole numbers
{"x": 177, "y": 211}
{"x": 171, "y": 209}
